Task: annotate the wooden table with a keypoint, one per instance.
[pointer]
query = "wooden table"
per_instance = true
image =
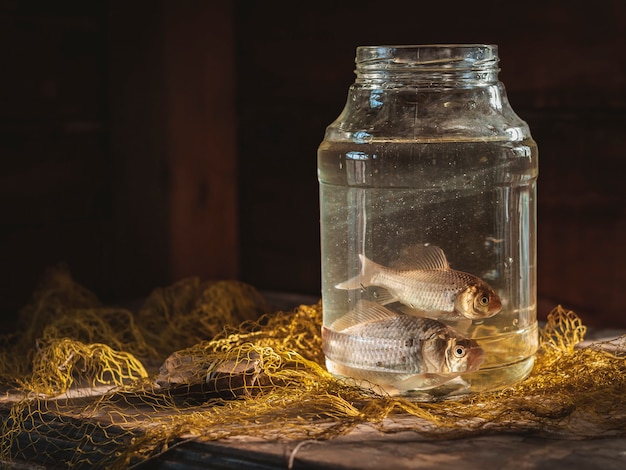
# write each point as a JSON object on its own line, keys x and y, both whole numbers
{"x": 367, "y": 449}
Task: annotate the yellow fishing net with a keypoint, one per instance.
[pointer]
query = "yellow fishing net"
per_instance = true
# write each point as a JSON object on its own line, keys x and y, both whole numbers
{"x": 94, "y": 386}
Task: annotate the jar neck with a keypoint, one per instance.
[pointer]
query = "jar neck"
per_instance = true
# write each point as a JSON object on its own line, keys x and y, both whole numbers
{"x": 441, "y": 65}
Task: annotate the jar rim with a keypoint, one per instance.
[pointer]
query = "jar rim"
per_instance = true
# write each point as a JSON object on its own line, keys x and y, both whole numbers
{"x": 428, "y": 56}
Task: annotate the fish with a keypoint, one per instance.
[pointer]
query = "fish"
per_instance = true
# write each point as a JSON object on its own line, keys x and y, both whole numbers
{"x": 430, "y": 286}
{"x": 397, "y": 351}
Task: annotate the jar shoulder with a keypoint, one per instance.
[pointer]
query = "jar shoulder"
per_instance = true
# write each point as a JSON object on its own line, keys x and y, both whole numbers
{"x": 404, "y": 113}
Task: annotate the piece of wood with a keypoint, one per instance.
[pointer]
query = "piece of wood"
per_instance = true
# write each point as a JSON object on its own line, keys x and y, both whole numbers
{"x": 118, "y": 146}
{"x": 366, "y": 449}
{"x": 174, "y": 142}
{"x": 199, "y": 59}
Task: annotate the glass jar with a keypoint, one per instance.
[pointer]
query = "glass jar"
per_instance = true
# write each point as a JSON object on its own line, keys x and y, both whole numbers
{"x": 428, "y": 222}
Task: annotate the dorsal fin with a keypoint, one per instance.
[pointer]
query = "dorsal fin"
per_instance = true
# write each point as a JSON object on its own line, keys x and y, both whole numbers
{"x": 422, "y": 257}
{"x": 365, "y": 311}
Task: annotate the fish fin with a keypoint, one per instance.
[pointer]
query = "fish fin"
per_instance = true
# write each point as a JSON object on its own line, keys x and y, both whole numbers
{"x": 422, "y": 257}
{"x": 365, "y": 311}
{"x": 463, "y": 325}
{"x": 415, "y": 312}
{"x": 423, "y": 381}
{"x": 364, "y": 278}
{"x": 440, "y": 315}
{"x": 383, "y": 296}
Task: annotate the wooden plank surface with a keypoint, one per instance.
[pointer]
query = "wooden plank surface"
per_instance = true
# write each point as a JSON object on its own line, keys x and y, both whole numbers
{"x": 367, "y": 449}
{"x": 363, "y": 448}
{"x": 501, "y": 446}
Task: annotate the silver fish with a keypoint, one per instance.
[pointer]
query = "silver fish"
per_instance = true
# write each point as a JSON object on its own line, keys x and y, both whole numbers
{"x": 397, "y": 351}
{"x": 430, "y": 286}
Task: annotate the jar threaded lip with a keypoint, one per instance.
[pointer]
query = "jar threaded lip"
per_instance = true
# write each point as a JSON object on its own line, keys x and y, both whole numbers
{"x": 427, "y": 58}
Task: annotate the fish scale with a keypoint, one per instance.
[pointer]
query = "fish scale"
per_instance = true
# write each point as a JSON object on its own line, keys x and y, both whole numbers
{"x": 428, "y": 290}
{"x": 399, "y": 344}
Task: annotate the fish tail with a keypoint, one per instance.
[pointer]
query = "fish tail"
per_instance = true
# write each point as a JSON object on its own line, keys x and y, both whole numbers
{"x": 364, "y": 278}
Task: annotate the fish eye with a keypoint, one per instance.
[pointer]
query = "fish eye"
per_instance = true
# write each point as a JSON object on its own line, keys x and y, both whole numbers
{"x": 459, "y": 351}
{"x": 484, "y": 300}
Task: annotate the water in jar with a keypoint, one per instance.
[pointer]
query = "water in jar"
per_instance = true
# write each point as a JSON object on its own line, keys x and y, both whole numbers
{"x": 475, "y": 200}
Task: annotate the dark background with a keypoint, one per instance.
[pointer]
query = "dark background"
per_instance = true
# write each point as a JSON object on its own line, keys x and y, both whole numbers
{"x": 146, "y": 141}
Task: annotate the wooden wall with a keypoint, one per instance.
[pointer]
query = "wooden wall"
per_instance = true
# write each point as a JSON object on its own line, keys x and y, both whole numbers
{"x": 55, "y": 178}
{"x": 146, "y": 141}
{"x": 117, "y": 143}
{"x": 564, "y": 66}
